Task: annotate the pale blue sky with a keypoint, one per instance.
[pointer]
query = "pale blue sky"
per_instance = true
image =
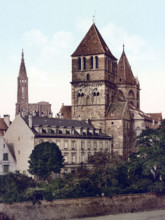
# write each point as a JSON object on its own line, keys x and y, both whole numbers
{"x": 49, "y": 31}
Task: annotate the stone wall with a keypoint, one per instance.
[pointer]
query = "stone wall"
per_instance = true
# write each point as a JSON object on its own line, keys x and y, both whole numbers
{"x": 84, "y": 207}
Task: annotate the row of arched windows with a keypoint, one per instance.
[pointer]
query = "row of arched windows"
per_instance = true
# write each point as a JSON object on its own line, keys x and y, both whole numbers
{"x": 130, "y": 94}
{"x": 82, "y": 62}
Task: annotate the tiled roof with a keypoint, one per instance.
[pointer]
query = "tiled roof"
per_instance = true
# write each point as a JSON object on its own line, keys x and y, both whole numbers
{"x": 93, "y": 43}
{"x": 156, "y": 116}
{"x": 66, "y": 111}
{"x": 116, "y": 110}
{"x": 124, "y": 71}
{"x": 58, "y": 122}
{"x": 3, "y": 125}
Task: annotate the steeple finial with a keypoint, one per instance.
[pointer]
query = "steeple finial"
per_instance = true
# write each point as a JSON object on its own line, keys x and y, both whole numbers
{"x": 22, "y": 54}
{"x": 123, "y": 47}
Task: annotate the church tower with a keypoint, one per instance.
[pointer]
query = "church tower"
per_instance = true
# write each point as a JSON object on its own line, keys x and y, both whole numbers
{"x": 94, "y": 70}
{"x": 22, "y": 89}
{"x": 128, "y": 85}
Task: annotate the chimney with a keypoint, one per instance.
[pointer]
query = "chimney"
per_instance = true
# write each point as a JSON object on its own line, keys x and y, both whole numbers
{"x": 7, "y": 120}
{"x": 22, "y": 113}
{"x": 30, "y": 121}
{"x": 34, "y": 113}
{"x": 153, "y": 122}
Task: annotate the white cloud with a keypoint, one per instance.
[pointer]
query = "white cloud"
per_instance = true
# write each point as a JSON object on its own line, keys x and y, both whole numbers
{"x": 51, "y": 50}
{"x": 136, "y": 47}
{"x": 35, "y": 38}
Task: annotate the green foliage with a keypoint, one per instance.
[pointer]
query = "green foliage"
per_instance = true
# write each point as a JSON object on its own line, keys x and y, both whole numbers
{"x": 13, "y": 187}
{"x": 143, "y": 172}
{"x": 44, "y": 159}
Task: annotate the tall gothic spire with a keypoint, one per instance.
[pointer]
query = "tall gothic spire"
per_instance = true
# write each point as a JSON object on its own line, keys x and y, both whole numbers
{"x": 124, "y": 70}
{"x": 22, "y": 70}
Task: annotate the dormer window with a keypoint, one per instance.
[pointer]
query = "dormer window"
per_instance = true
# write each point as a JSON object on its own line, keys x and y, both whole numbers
{"x": 79, "y": 63}
{"x": 91, "y": 62}
{"x": 84, "y": 63}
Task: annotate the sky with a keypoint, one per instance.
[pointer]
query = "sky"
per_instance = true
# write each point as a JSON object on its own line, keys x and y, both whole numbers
{"x": 50, "y": 31}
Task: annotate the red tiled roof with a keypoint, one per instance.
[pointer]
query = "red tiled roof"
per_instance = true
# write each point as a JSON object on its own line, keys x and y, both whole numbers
{"x": 156, "y": 116}
{"x": 93, "y": 43}
{"x": 124, "y": 71}
{"x": 66, "y": 111}
{"x": 3, "y": 125}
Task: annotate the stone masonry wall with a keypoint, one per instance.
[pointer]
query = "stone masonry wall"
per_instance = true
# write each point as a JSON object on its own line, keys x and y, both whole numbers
{"x": 84, "y": 207}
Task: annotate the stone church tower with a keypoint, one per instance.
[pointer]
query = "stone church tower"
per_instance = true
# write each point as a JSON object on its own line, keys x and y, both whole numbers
{"x": 94, "y": 70}
{"x": 128, "y": 85}
{"x": 23, "y": 106}
{"x": 22, "y": 89}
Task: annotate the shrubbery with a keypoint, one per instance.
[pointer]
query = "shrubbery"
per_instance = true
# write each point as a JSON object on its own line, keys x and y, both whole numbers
{"x": 143, "y": 172}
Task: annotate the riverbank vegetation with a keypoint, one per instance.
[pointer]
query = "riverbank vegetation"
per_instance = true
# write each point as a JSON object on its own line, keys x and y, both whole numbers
{"x": 143, "y": 172}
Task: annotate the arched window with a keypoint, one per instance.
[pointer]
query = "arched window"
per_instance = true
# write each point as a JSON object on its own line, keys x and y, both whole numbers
{"x": 88, "y": 76}
{"x": 121, "y": 93}
{"x": 131, "y": 103}
{"x": 138, "y": 131}
{"x": 79, "y": 63}
{"x": 84, "y": 63}
{"x": 131, "y": 94}
{"x": 91, "y": 62}
{"x": 96, "y": 62}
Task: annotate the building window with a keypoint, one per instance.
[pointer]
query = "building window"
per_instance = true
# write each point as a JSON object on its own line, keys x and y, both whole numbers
{"x": 82, "y": 145}
{"x": 82, "y": 158}
{"x": 79, "y": 63}
{"x": 65, "y": 144}
{"x": 91, "y": 62}
{"x": 96, "y": 61}
{"x": 89, "y": 145}
{"x": 5, "y": 156}
{"x": 106, "y": 146}
{"x": 73, "y": 158}
{"x": 138, "y": 131}
{"x": 6, "y": 168}
{"x": 84, "y": 63}
{"x": 65, "y": 158}
{"x": 88, "y": 76}
{"x": 58, "y": 143}
{"x": 73, "y": 145}
{"x": 95, "y": 145}
{"x": 101, "y": 146}
{"x": 3, "y": 145}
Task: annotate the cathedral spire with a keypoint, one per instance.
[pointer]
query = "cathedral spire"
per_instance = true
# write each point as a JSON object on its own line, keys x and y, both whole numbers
{"x": 22, "y": 70}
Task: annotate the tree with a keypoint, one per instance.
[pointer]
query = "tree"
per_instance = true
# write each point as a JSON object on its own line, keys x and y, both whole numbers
{"x": 44, "y": 159}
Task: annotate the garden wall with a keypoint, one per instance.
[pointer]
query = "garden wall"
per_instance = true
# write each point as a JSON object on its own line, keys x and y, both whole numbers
{"x": 84, "y": 207}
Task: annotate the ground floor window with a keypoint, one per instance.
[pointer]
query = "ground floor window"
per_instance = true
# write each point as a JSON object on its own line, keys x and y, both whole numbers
{"x": 6, "y": 168}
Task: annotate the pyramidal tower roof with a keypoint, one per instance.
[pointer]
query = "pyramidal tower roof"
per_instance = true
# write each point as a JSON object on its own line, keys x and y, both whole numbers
{"x": 93, "y": 43}
{"x": 22, "y": 70}
{"x": 124, "y": 70}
